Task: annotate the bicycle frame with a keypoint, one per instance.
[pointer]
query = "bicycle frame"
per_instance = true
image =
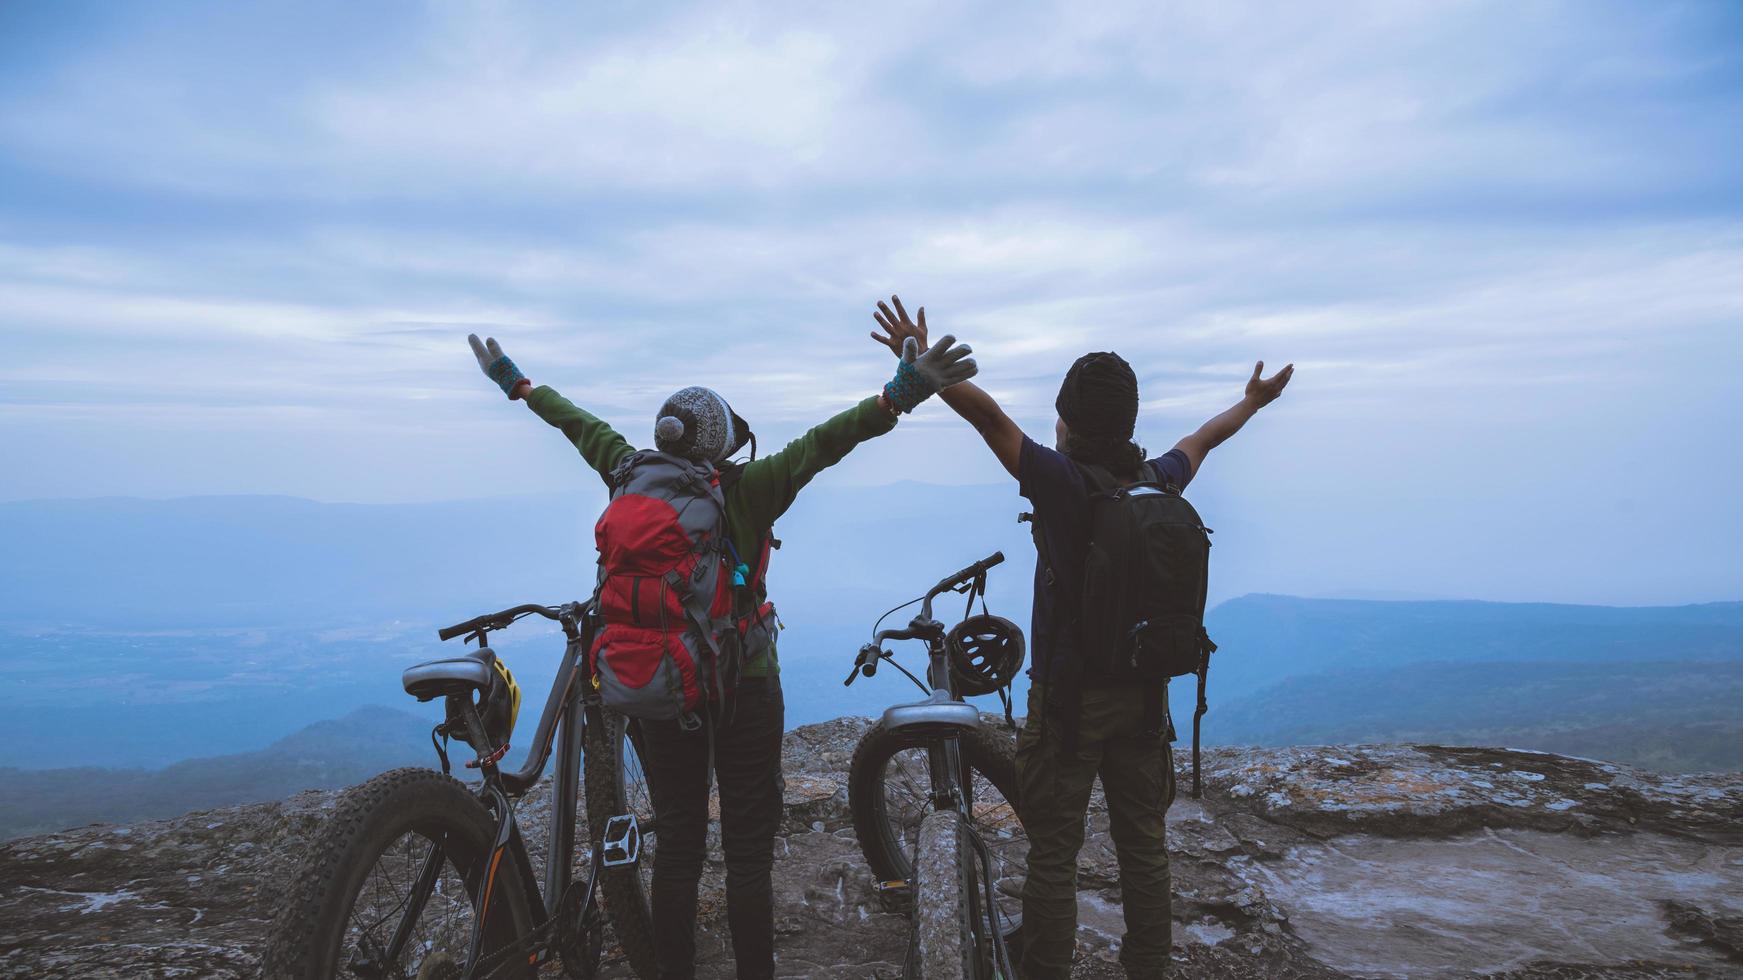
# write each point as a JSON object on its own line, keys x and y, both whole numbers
{"x": 569, "y": 708}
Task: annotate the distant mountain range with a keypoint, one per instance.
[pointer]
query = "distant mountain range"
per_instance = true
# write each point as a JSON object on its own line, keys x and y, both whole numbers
{"x": 1671, "y": 715}
{"x": 325, "y": 755}
{"x": 1660, "y": 687}
{"x": 140, "y": 633}
{"x": 1666, "y": 715}
{"x": 1265, "y": 639}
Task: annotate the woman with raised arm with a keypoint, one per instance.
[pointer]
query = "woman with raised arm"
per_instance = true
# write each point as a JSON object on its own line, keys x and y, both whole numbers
{"x": 696, "y": 431}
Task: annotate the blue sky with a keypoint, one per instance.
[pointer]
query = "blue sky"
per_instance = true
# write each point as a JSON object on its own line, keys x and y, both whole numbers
{"x": 241, "y": 246}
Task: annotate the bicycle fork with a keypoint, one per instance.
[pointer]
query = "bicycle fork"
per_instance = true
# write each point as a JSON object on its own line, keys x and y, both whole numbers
{"x": 944, "y": 764}
{"x": 420, "y": 894}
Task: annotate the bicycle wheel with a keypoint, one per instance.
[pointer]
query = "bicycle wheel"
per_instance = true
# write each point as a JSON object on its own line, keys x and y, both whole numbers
{"x": 946, "y": 945}
{"x": 350, "y": 895}
{"x": 889, "y": 790}
{"x": 617, "y": 783}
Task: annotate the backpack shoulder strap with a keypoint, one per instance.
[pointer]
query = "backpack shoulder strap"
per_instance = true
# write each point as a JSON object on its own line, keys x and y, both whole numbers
{"x": 1099, "y": 480}
{"x": 730, "y": 473}
{"x": 621, "y": 472}
{"x": 1096, "y": 479}
{"x": 1153, "y": 473}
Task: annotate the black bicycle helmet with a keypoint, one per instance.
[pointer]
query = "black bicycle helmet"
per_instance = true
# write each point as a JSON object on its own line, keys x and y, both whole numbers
{"x": 497, "y": 708}
{"x": 986, "y": 651}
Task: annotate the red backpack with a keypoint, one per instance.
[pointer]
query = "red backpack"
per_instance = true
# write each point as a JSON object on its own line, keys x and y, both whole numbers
{"x": 667, "y": 579}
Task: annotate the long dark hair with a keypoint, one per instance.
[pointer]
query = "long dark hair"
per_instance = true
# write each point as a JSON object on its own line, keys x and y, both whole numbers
{"x": 1123, "y": 458}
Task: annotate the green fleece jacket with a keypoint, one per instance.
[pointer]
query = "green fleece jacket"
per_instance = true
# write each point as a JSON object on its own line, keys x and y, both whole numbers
{"x": 763, "y": 492}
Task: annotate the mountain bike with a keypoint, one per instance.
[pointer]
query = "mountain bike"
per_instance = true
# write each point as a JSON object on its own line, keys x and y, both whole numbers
{"x": 932, "y": 792}
{"x": 418, "y": 875}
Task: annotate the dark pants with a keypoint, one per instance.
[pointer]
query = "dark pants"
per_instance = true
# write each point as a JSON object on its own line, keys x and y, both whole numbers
{"x": 1136, "y": 771}
{"x": 747, "y": 765}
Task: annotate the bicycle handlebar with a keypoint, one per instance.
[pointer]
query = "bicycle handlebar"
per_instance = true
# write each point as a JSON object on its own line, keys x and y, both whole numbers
{"x": 910, "y": 633}
{"x": 496, "y": 621}
{"x": 923, "y": 627}
{"x": 972, "y": 573}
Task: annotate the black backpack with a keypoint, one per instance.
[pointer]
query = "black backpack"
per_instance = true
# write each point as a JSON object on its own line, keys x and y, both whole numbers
{"x": 1141, "y": 612}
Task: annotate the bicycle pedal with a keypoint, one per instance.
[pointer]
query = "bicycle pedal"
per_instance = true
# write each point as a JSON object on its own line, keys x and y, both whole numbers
{"x": 623, "y": 841}
{"x": 895, "y": 896}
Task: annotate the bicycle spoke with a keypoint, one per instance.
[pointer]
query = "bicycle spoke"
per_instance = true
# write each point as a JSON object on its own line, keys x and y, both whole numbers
{"x": 638, "y": 799}
{"x": 443, "y": 925}
{"x": 375, "y": 875}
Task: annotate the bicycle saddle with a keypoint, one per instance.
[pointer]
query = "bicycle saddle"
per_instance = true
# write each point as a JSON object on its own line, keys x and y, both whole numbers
{"x": 450, "y": 675}
{"x": 937, "y": 715}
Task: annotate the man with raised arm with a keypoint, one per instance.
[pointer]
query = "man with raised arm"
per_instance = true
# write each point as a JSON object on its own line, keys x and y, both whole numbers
{"x": 1098, "y": 412}
{"x": 697, "y": 425}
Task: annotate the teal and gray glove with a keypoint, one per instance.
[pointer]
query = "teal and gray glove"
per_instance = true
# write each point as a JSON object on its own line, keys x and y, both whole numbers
{"x": 497, "y": 367}
{"x": 920, "y": 376}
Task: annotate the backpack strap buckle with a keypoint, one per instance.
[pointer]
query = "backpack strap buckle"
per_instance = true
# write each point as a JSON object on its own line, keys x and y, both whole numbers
{"x": 698, "y": 616}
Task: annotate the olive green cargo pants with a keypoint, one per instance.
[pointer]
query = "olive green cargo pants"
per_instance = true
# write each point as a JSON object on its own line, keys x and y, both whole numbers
{"x": 1137, "y": 774}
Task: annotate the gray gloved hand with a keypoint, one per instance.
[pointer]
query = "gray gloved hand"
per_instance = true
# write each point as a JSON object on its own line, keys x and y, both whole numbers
{"x": 497, "y": 367}
{"x": 919, "y": 376}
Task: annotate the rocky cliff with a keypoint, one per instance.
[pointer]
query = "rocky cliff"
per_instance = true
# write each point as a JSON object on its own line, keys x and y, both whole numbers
{"x": 1347, "y": 861}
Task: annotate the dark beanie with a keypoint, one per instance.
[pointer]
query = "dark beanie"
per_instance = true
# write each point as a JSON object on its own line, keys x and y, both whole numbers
{"x": 1099, "y": 398}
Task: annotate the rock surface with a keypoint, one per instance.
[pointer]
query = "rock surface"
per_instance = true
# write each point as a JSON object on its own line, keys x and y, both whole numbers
{"x": 1319, "y": 862}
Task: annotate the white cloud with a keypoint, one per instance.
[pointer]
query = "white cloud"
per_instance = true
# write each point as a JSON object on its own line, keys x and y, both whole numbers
{"x": 713, "y": 104}
{"x": 1241, "y": 99}
{"x": 1448, "y": 216}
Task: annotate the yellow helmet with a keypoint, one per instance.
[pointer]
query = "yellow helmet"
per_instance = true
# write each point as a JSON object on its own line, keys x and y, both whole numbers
{"x": 498, "y": 708}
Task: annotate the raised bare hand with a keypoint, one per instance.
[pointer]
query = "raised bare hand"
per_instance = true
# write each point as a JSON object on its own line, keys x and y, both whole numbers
{"x": 898, "y": 326}
{"x": 1264, "y": 391}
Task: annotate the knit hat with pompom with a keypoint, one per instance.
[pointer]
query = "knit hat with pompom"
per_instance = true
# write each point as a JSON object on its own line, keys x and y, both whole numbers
{"x": 698, "y": 424}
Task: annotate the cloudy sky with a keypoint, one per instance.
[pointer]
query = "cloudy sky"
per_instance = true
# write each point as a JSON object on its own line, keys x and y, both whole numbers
{"x": 241, "y": 247}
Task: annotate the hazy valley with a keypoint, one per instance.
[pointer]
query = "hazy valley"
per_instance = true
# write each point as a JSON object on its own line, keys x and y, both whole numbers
{"x": 264, "y": 637}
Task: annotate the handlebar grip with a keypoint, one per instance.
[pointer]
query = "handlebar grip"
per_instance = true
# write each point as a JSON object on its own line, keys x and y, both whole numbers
{"x": 996, "y": 558}
{"x": 452, "y": 631}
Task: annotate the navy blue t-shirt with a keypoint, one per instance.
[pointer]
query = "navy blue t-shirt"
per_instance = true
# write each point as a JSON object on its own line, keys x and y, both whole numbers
{"x": 1056, "y": 487}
